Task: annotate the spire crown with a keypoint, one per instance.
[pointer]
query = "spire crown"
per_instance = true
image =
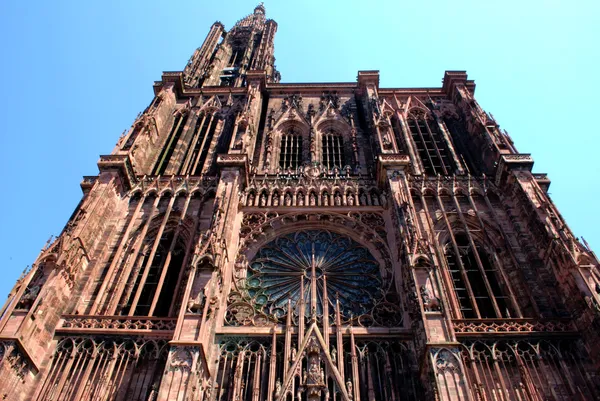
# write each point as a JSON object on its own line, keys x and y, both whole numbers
{"x": 260, "y": 8}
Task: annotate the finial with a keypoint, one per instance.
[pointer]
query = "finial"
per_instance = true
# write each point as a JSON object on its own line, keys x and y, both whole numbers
{"x": 259, "y": 8}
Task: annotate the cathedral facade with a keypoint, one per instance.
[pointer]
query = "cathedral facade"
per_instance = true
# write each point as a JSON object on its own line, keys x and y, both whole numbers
{"x": 252, "y": 240}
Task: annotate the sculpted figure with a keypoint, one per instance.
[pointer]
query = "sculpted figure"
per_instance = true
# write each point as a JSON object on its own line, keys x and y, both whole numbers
{"x": 429, "y": 303}
{"x": 277, "y": 387}
{"x": 338, "y": 199}
{"x": 363, "y": 199}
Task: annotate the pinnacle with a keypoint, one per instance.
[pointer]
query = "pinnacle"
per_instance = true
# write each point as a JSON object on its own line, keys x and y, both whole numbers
{"x": 260, "y": 7}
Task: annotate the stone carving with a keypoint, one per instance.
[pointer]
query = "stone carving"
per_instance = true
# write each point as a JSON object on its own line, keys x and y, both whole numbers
{"x": 124, "y": 323}
{"x": 196, "y": 304}
{"x": 430, "y": 303}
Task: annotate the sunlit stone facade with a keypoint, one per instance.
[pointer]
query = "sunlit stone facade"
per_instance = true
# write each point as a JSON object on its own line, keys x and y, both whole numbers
{"x": 252, "y": 240}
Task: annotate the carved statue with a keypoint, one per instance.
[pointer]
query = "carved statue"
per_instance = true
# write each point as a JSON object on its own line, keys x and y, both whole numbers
{"x": 350, "y": 200}
{"x": 325, "y": 200}
{"x": 314, "y": 374}
{"x": 263, "y": 200}
{"x": 300, "y": 200}
{"x": 384, "y": 199}
{"x": 288, "y": 200}
{"x": 349, "y": 388}
{"x": 29, "y": 297}
{"x": 196, "y": 304}
{"x": 313, "y": 199}
{"x": 374, "y": 199}
{"x": 277, "y": 387}
{"x": 334, "y": 355}
{"x": 304, "y": 376}
{"x": 363, "y": 199}
{"x": 338, "y": 199}
{"x": 275, "y": 201}
{"x": 250, "y": 199}
{"x": 294, "y": 354}
{"x": 429, "y": 303}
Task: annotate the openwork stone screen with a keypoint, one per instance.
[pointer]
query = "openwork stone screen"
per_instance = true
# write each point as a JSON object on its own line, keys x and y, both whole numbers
{"x": 286, "y": 267}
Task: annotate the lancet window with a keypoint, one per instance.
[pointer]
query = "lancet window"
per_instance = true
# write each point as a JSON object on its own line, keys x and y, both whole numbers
{"x": 197, "y": 151}
{"x": 431, "y": 145}
{"x": 291, "y": 149}
{"x": 157, "y": 278}
{"x": 333, "y": 150}
{"x": 167, "y": 150}
{"x": 475, "y": 280}
{"x": 145, "y": 274}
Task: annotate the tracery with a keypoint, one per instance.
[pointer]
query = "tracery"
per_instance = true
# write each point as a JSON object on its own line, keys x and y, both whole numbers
{"x": 304, "y": 264}
{"x": 291, "y": 149}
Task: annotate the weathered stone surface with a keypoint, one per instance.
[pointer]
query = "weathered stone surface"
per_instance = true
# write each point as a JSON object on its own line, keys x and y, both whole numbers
{"x": 255, "y": 240}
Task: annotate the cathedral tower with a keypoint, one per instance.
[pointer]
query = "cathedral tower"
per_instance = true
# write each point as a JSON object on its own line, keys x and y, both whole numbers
{"x": 262, "y": 241}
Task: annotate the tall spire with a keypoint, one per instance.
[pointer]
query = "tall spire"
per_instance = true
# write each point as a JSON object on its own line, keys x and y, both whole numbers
{"x": 225, "y": 58}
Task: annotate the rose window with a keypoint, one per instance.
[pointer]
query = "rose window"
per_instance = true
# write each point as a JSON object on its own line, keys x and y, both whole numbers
{"x": 305, "y": 261}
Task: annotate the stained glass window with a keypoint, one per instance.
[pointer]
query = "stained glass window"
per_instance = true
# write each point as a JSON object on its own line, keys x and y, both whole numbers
{"x": 302, "y": 259}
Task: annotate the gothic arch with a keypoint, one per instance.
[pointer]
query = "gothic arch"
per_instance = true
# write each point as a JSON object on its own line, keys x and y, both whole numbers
{"x": 339, "y": 223}
{"x": 383, "y": 309}
{"x": 291, "y": 137}
{"x": 267, "y": 227}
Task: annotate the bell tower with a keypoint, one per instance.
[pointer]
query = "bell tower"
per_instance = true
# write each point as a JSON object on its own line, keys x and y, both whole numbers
{"x": 225, "y": 58}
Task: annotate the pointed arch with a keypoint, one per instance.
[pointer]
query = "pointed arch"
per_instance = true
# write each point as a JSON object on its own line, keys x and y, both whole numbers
{"x": 430, "y": 143}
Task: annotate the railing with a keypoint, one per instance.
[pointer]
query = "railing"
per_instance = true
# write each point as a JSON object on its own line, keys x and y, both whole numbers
{"x": 117, "y": 324}
{"x": 477, "y": 327}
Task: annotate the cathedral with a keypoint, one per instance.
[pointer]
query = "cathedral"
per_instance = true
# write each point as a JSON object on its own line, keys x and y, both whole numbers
{"x": 253, "y": 240}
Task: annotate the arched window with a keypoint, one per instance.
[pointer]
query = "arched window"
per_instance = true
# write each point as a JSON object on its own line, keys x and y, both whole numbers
{"x": 474, "y": 277}
{"x": 202, "y": 136}
{"x": 156, "y": 280}
{"x": 172, "y": 139}
{"x": 291, "y": 149}
{"x": 333, "y": 150}
{"x": 431, "y": 145}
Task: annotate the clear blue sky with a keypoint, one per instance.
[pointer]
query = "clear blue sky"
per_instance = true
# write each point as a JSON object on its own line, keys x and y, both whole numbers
{"x": 76, "y": 73}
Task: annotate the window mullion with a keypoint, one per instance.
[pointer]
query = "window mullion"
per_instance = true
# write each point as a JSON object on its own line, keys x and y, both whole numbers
{"x": 479, "y": 264}
{"x": 294, "y": 157}
{"x": 437, "y": 150}
{"x": 285, "y": 138}
{"x": 430, "y": 160}
{"x": 340, "y": 151}
{"x": 331, "y": 152}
